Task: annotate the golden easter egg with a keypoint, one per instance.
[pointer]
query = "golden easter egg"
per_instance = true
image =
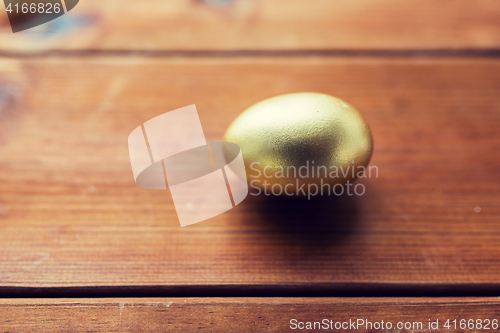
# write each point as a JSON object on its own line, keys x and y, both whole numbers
{"x": 301, "y": 139}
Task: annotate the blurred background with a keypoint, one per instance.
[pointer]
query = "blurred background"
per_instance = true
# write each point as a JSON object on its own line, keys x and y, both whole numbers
{"x": 263, "y": 25}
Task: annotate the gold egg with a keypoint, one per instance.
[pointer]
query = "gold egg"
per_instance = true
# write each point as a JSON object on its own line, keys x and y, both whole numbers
{"x": 301, "y": 138}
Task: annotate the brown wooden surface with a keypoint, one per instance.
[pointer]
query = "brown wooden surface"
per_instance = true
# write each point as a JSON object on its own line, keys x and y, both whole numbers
{"x": 74, "y": 224}
{"x": 264, "y": 24}
{"x": 71, "y": 214}
{"x": 234, "y": 314}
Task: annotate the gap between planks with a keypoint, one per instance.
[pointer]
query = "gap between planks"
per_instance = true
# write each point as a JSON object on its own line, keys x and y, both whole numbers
{"x": 382, "y": 53}
{"x": 269, "y": 290}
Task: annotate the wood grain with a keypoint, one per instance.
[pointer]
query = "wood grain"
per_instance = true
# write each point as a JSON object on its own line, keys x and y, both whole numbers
{"x": 72, "y": 216}
{"x": 235, "y": 314}
{"x": 263, "y": 25}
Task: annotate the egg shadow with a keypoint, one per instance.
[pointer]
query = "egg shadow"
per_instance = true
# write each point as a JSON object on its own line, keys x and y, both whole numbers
{"x": 319, "y": 225}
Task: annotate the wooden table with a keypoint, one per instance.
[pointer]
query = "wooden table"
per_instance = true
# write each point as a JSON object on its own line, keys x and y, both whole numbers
{"x": 82, "y": 248}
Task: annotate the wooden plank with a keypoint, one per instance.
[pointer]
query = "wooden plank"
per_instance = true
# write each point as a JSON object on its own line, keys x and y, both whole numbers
{"x": 243, "y": 314}
{"x": 71, "y": 214}
{"x": 264, "y": 25}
